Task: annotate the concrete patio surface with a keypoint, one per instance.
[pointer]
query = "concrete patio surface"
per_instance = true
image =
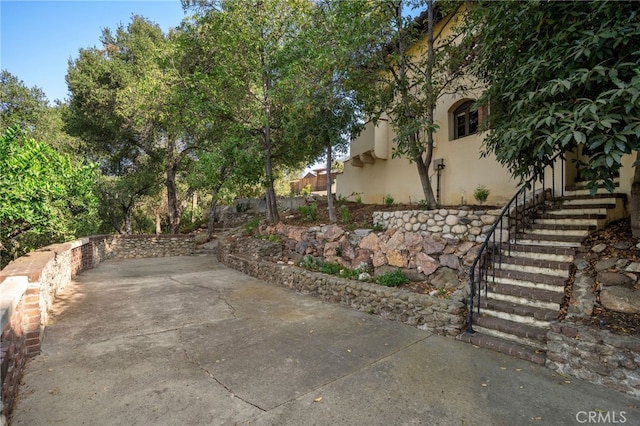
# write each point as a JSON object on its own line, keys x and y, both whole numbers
{"x": 188, "y": 341}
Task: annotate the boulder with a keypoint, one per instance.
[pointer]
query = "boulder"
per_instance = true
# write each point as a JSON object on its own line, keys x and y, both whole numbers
{"x": 432, "y": 245}
{"x": 608, "y": 279}
{"x": 445, "y": 278}
{"x": 605, "y": 264}
{"x": 332, "y": 232}
{"x": 371, "y": 242}
{"x": 426, "y": 264}
{"x": 398, "y": 257}
{"x": 620, "y": 299}
{"x": 363, "y": 260}
{"x": 450, "y": 260}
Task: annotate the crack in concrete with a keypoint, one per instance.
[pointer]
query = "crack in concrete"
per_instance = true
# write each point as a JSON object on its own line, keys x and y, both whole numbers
{"x": 214, "y": 290}
{"x": 215, "y": 379}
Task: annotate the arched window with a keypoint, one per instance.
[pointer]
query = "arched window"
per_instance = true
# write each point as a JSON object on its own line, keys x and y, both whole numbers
{"x": 465, "y": 120}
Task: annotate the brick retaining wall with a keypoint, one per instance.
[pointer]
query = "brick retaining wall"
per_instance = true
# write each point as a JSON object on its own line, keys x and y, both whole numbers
{"x": 29, "y": 285}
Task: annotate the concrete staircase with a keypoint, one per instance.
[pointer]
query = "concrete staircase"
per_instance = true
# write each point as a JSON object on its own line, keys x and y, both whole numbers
{"x": 526, "y": 286}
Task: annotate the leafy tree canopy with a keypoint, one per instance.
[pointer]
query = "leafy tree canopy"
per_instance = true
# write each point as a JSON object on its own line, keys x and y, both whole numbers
{"x": 559, "y": 74}
{"x": 44, "y": 197}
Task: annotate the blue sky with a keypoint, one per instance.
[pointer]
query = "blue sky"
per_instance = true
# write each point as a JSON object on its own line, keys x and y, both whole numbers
{"x": 37, "y": 38}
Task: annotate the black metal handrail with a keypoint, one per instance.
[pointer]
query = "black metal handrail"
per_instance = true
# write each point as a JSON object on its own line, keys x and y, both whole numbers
{"x": 518, "y": 218}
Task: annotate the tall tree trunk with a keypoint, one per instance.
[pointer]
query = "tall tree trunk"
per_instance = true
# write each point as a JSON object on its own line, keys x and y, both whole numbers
{"x": 158, "y": 223}
{"x": 330, "y": 205}
{"x": 424, "y": 163}
{"x": 194, "y": 206}
{"x": 635, "y": 201}
{"x": 423, "y": 171}
{"x": 272, "y": 205}
{"x": 172, "y": 196}
{"x": 214, "y": 202}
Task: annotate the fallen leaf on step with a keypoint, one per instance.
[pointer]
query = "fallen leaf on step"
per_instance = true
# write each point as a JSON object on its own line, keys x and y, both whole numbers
{"x": 318, "y": 399}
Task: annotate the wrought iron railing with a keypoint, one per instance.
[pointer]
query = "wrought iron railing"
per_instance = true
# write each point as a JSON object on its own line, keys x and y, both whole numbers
{"x": 515, "y": 217}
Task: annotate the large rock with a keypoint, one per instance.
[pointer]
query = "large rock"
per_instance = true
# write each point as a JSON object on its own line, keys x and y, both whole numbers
{"x": 398, "y": 257}
{"x": 620, "y": 299}
{"x": 606, "y": 263}
{"x": 445, "y": 278}
{"x": 432, "y": 245}
{"x": 609, "y": 279}
{"x": 450, "y": 260}
{"x": 413, "y": 241}
{"x": 363, "y": 260}
{"x": 347, "y": 250}
{"x": 396, "y": 242}
{"x": 332, "y": 232}
{"x": 426, "y": 264}
{"x": 371, "y": 242}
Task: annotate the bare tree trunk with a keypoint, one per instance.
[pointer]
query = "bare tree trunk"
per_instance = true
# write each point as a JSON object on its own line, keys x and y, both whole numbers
{"x": 635, "y": 201}
{"x": 272, "y": 205}
{"x": 194, "y": 206}
{"x": 172, "y": 196}
{"x": 158, "y": 224}
{"x": 330, "y": 205}
{"x": 214, "y": 204}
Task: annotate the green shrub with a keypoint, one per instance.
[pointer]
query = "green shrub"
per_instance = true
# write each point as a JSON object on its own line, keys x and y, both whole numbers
{"x": 393, "y": 279}
{"x": 309, "y": 212}
{"x": 306, "y": 190}
{"x": 481, "y": 194}
{"x": 350, "y": 274}
{"x": 309, "y": 262}
{"x": 345, "y": 216}
{"x": 251, "y": 226}
{"x": 377, "y": 227}
{"x": 359, "y": 200}
{"x": 388, "y": 200}
{"x": 341, "y": 199}
{"x": 330, "y": 268}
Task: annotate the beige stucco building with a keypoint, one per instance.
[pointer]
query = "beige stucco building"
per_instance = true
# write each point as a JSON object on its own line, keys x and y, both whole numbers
{"x": 372, "y": 173}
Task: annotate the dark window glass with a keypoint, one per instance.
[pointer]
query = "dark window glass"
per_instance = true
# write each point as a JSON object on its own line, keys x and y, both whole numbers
{"x": 466, "y": 120}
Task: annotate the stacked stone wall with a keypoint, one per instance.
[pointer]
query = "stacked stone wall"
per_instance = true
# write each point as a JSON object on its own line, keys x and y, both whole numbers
{"x": 598, "y": 356}
{"x": 444, "y": 315}
{"x": 461, "y": 224}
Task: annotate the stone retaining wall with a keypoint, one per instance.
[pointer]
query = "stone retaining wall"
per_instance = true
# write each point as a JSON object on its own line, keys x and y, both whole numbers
{"x": 445, "y": 316}
{"x": 461, "y": 224}
{"x": 605, "y": 276}
{"x": 598, "y": 356}
{"x": 29, "y": 285}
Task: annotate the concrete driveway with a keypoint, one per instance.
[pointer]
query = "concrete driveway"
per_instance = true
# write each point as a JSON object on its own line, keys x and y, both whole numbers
{"x": 187, "y": 341}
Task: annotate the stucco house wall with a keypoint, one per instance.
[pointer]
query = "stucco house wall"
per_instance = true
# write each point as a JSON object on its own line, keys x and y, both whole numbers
{"x": 372, "y": 173}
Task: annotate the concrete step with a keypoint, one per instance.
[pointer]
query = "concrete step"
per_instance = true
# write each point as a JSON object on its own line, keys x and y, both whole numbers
{"x": 513, "y": 349}
{"x": 555, "y": 229}
{"x": 580, "y": 209}
{"x": 523, "y": 314}
{"x": 597, "y": 221}
{"x": 527, "y": 335}
{"x": 532, "y": 269}
{"x": 588, "y": 199}
{"x": 517, "y": 294}
{"x": 529, "y": 280}
{"x": 557, "y": 254}
{"x": 549, "y": 240}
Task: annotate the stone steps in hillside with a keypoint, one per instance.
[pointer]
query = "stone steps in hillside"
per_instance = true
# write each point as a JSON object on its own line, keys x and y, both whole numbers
{"x": 516, "y": 312}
